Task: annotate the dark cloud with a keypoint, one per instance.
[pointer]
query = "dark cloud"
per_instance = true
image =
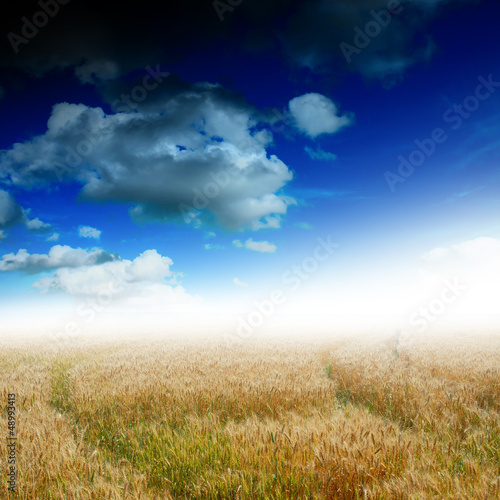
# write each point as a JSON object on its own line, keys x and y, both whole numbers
{"x": 11, "y": 214}
{"x": 102, "y": 41}
{"x": 377, "y": 38}
{"x": 129, "y": 35}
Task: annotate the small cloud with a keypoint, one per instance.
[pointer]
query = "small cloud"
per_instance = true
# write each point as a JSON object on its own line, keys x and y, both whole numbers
{"x": 89, "y": 232}
{"x": 319, "y": 154}
{"x": 315, "y": 114}
{"x": 215, "y": 246}
{"x": 256, "y": 246}
{"x": 209, "y": 234}
{"x": 53, "y": 237}
{"x": 260, "y": 246}
{"x": 2, "y": 235}
{"x": 37, "y": 226}
{"x": 237, "y": 282}
{"x": 303, "y": 225}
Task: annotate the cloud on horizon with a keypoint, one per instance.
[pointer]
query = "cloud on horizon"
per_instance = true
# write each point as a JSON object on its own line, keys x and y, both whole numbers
{"x": 144, "y": 281}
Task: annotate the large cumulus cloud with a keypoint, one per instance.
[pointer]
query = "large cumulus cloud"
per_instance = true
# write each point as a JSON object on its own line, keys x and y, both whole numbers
{"x": 194, "y": 155}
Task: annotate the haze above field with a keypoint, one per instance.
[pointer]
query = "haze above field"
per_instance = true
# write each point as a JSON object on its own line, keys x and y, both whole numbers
{"x": 251, "y": 165}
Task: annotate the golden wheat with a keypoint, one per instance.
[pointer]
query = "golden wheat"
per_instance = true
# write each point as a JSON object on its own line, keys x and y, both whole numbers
{"x": 171, "y": 419}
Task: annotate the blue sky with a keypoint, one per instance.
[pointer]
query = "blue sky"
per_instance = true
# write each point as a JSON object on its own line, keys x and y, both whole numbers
{"x": 244, "y": 140}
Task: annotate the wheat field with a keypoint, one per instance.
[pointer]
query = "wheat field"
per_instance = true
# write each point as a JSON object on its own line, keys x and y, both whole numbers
{"x": 165, "y": 419}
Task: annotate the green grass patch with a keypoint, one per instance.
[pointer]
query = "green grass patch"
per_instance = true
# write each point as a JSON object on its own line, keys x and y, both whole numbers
{"x": 61, "y": 386}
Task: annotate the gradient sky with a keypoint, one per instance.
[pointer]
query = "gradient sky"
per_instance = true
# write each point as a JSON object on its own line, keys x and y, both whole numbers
{"x": 191, "y": 159}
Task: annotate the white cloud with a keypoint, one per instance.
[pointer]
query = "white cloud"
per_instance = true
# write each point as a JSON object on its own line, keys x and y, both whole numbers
{"x": 237, "y": 282}
{"x": 149, "y": 266}
{"x": 89, "y": 232}
{"x": 37, "y": 225}
{"x": 257, "y": 246}
{"x": 315, "y": 114}
{"x": 58, "y": 256}
{"x": 143, "y": 282}
{"x": 196, "y": 156}
{"x": 53, "y": 237}
{"x": 2, "y": 235}
{"x": 260, "y": 246}
{"x": 210, "y": 234}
